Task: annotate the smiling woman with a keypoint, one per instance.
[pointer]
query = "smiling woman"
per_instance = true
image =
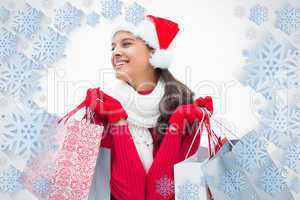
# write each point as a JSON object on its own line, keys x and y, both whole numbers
{"x": 130, "y": 59}
{"x": 147, "y": 115}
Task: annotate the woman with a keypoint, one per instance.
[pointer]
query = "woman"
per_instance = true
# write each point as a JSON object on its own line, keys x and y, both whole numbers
{"x": 150, "y": 118}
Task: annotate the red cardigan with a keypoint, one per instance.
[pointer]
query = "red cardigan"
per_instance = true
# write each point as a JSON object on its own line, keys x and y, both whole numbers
{"x": 129, "y": 181}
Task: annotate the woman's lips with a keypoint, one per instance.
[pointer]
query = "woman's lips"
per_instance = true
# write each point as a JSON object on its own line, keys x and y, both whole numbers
{"x": 120, "y": 65}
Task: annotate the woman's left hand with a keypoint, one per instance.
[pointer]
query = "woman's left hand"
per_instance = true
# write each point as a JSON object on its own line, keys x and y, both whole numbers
{"x": 205, "y": 103}
{"x": 186, "y": 115}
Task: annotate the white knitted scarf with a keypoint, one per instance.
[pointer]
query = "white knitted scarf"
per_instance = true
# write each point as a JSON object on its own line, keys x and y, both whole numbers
{"x": 143, "y": 112}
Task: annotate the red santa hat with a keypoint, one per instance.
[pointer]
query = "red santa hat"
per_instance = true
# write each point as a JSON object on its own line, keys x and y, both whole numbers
{"x": 158, "y": 33}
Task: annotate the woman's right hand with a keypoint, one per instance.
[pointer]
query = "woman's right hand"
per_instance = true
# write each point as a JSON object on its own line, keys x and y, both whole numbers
{"x": 105, "y": 107}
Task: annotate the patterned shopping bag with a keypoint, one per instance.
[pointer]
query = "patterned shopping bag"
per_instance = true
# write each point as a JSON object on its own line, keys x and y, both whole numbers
{"x": 74, "y": 169}
{"x": 246, "y": 171}
{"x": 190, "y": 182}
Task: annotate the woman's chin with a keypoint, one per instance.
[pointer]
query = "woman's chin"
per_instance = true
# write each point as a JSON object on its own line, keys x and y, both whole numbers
{"x": 120, "y": 76}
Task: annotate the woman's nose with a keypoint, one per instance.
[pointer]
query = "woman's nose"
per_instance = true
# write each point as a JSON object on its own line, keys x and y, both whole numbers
{"x": 116, "y": 51}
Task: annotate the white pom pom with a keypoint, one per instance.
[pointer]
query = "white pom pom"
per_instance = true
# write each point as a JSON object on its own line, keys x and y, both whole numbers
{"x": 161, "y": 59}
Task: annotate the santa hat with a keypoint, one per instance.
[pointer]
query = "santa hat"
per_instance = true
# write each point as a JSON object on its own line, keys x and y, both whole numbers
{"x": 158, "y": 33}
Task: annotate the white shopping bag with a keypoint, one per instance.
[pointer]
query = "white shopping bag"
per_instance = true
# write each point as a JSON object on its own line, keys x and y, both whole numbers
{"x": 100, "y": 188}
{"x": 189, "y": 179}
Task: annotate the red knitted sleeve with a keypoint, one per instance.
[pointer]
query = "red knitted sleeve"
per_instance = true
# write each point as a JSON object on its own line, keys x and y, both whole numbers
{"x": 107, "y": 140}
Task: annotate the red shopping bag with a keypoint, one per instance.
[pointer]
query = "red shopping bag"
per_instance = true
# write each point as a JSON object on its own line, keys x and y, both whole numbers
{"x": 66, "y": 173}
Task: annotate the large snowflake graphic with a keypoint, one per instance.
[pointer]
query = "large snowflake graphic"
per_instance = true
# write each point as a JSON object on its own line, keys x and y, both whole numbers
{"x": 273, "y": 180}
{"x": 27, "y": 21}
{"x": 135, "y": 13}
{"x": 67, "y": 18}
{"x": 188, "y": 191}
{"x": 232, "y": 182}
{"x": 19, "y": 77}
{"x": 288, "y": 19}
{"x": 8, "y": 44}
{"x": 251, "y": 151}
{"x": 164, "y": 186}
{"x": 23, "y": 134}
{"x": 10, "y": 180}
{"x": 111, "y": 8}
{"x": 270, "y": 66}
{"x": 258, "y": 14}
{"x": 48, "y": 47}
{"x": 4, "y": 14}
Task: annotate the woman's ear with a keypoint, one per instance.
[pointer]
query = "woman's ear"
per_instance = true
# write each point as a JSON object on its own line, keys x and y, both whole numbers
{"x": 152, "y": 51}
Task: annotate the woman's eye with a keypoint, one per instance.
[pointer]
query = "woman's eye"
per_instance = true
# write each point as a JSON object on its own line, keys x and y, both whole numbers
{"x": 126, "y": 44}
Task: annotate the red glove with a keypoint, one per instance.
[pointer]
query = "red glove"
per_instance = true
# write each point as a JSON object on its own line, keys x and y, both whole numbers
{"x": 190, "y": 113}
{"x": 106, "y": 108}
{"x": 185, "y": 115}
{"x": 205, "y": 103}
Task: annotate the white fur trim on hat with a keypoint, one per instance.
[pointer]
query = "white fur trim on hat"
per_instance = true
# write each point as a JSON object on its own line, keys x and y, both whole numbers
{"x": 145, "y": 30}
{"x": 161, "y": 58}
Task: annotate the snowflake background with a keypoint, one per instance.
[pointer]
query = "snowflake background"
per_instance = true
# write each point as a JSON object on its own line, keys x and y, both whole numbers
{"x": 36, "y": 38}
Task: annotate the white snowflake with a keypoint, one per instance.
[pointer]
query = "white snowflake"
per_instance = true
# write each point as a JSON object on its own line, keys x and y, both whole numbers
{"x": 164, "y": 186}
{"x": 188, "y": 191}
{"x": 23, "y": 133}
{"x": 232, "y": 182}
{"x": 292, "y": 157}
{"x": 19, "y": 77}
{"x": 270, "y": 66}
{"x": 4, "y": 14}
{"x": 8, "y": 44}
{"x": 134, "y": 13}
{"x": 111, "y": 8}
{"x": 92, "y": 19}
{"x": 258, "y": 14}
{"x": 67, "y": 18}
{"x": 251, "y": 152}
{"x": 27, "y": 21}
{"x": 10, "y": 180}
{"x": 48, "y": 47}
{"x": 288, "y": 19}
{"x": 273, "y": 180}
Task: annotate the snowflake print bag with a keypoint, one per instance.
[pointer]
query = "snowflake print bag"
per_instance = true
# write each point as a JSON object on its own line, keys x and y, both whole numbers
{"x": 77, "y": 169}
{"x": 189, "y": 179}
{"x": 245, "y": 170}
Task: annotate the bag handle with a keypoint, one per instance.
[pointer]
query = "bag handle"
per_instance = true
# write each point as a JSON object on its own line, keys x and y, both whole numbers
{"x": 212, "y": 137}
{"x": 89, "y": 100}
{"x": 67, "y": 116}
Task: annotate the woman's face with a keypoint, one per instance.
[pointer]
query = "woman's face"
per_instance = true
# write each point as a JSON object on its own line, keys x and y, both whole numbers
{"x": 130, "y": 56}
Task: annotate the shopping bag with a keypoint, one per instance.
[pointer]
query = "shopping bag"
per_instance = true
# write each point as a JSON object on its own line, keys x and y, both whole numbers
{"x": 245, "y": 171}
{"x": 76, "y": 169}
{"x": 188, "y": 177}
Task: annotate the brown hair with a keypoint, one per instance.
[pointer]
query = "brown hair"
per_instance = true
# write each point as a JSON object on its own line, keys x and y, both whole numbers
{"x": 176, "y": 93}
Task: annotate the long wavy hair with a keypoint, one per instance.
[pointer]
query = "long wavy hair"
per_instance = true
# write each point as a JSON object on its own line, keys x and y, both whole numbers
{"x": 176, "y": 93}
